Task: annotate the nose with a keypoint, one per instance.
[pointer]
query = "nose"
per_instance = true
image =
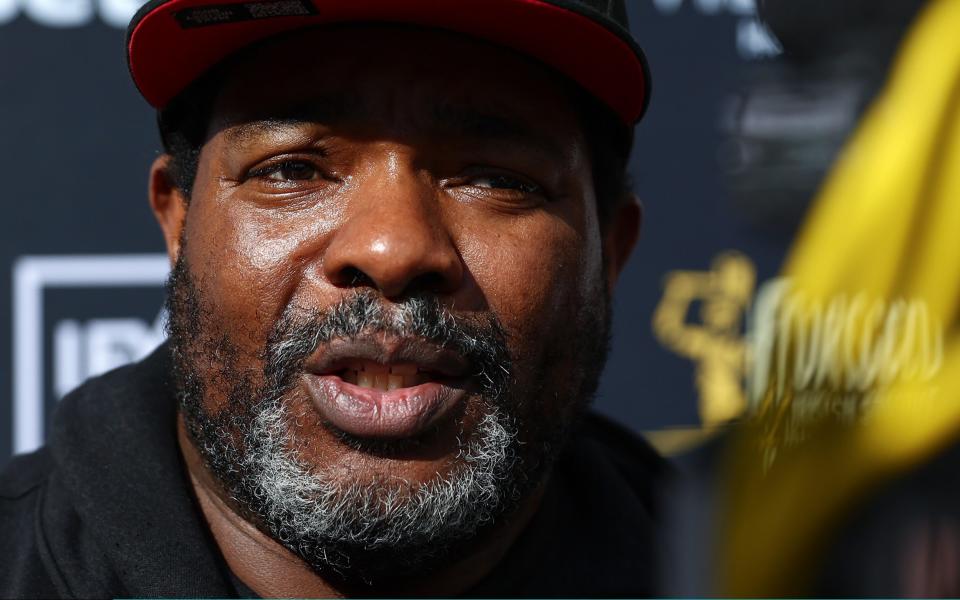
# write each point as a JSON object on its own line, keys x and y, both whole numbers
{"x": 393, "y": 238}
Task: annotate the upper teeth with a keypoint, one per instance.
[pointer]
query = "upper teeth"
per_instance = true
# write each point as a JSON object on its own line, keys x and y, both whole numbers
{"x": 384, "y": 377}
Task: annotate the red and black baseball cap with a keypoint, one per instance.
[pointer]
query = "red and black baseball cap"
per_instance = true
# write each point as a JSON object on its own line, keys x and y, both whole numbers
{"x": 171, "y": 43}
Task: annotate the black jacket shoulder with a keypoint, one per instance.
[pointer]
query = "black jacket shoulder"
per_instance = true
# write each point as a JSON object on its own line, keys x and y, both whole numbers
{"x": 23, "y": 475}
{"x": 104, "y": 509}
{"x": 632, "y": 456}
{"x": 24, "y": 574}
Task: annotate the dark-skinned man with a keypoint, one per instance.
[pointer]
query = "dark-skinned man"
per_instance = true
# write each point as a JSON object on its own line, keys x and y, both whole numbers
{"x": 395, "y": 228}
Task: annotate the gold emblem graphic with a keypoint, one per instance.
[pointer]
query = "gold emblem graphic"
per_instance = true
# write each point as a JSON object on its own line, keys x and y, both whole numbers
{"x": 716, "y": 343}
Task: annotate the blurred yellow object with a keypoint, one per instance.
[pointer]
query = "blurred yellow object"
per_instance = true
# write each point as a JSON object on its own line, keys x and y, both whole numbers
{"x": 672, "y": 441}
{"x": 883, "y": 235}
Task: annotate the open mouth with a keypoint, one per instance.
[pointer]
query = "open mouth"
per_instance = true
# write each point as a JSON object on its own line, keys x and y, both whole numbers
{"x": 370, "y": 388}
{"x": 375, "y": 376}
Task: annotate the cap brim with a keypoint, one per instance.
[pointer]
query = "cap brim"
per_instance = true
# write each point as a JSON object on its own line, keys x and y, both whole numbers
{"x": 170, "y": 43}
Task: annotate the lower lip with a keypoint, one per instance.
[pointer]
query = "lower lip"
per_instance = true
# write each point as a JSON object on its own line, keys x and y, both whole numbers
{"x": 371, "y": 413}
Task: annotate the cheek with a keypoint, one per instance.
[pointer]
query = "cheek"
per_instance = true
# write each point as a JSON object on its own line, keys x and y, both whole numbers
{"x": 531, "y": 273}
{"x": 249, "y": 262}
{"x": 591, "y": 260}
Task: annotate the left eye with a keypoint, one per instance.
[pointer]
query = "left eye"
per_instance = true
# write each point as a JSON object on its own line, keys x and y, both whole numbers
{"x": 291, "y": 170}
{"x": 505, "y": 182}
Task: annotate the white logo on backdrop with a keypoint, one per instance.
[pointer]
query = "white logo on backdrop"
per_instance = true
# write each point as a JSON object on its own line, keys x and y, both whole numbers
{"x": 70, "y": 13}
{"x": 81, "y": 349}
{"x": 753, "y": 39}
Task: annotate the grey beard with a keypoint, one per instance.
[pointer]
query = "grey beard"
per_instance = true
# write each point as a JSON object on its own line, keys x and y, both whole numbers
{"x": 362, "y": 532}
{"x": 381, "y": 527}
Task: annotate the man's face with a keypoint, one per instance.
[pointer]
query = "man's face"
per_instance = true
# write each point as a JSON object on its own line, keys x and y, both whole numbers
{"x": 389, "y": 303}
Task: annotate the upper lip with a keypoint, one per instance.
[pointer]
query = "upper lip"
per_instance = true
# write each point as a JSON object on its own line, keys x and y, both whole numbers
{"x": 340, "y": 354}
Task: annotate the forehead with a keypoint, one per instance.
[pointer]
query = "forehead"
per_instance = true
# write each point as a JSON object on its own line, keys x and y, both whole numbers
{"x": 396, "y": 77}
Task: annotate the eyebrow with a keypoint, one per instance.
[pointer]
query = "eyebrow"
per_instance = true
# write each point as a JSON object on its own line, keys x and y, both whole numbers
{"x": 464, "y": 121}
{"x": 443, "y": 118}
{"x": 329, "y": 109}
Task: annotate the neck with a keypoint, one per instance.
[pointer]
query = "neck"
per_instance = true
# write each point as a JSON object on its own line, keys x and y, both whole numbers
{"x": 271, "y": 570}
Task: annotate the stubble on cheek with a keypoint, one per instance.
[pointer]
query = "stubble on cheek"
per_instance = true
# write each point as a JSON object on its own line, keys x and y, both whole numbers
{"x": 553, "y": 304}
{"x": 217, "y": 325}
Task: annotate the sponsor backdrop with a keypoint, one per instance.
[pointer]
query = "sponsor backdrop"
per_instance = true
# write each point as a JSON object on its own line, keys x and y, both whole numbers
{"x": 82, "y": 263}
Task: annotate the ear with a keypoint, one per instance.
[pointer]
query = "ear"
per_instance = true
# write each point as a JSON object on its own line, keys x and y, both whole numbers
{"x": 169, "y": 205}
{"x": 621, "y": 236}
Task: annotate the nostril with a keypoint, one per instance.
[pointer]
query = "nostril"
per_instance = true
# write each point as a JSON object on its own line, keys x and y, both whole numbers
{"x": 354, "y": 277}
